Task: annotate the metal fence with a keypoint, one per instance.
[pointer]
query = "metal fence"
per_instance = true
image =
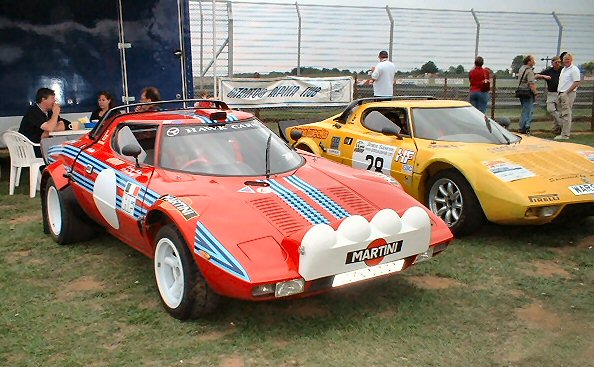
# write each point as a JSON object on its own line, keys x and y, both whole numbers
{"x": 248, "y": 38}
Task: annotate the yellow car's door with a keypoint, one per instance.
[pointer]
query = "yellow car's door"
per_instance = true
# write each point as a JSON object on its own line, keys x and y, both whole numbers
{"x": 376, "y": 146}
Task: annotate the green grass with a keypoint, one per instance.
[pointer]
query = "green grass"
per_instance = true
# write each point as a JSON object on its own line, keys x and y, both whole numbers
{"x": 506, "y": 296}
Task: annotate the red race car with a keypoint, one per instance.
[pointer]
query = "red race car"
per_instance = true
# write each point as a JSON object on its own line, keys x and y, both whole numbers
{"x": 227, "y": 208}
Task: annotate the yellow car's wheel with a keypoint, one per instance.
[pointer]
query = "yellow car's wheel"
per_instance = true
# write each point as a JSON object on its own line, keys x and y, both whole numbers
{"x": 452, "y": 199}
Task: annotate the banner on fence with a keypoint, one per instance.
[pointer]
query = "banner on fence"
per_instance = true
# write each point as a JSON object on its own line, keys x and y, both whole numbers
{"x": 286, "y": 91}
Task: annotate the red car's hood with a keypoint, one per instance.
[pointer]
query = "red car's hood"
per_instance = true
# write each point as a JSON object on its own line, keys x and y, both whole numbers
{"x": 261, "y": 222}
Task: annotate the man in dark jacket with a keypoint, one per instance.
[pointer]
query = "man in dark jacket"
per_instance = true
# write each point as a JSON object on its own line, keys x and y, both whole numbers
{"x": 43, "y": 117}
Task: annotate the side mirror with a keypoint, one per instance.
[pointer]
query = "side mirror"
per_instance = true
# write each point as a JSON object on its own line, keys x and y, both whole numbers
{"x": 391, "y": 130}
{"x": 295, "y": 135}
{"x": 132, "y": 150}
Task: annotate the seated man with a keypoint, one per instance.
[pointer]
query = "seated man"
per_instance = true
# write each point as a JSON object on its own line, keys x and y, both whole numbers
{"x": 149, "y": 94}
{"x": 395, "y": 118}
{"x": 42, "y": 118}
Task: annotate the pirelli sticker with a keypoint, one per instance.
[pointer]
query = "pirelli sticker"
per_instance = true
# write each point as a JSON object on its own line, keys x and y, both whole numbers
{"x": 546, "y": 198}
{"x": 182, "y": 207}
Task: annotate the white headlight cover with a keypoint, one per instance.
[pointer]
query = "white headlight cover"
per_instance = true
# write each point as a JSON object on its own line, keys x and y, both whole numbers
{"x": 290, "y": 287}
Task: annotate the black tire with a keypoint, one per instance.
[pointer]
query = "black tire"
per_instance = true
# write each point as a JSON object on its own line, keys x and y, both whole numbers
{"x": 63, "y": 218}
{"x": 175, "y": 266}
{"x": 451, "y": 198}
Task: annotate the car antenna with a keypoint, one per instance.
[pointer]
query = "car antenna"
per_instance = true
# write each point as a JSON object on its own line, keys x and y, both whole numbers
{"x": 268, "y": 155}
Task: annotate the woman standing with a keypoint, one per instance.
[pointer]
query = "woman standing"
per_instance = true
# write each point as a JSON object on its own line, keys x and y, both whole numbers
{"x": 480, "y": 85}
{"x": 105, "y": 102}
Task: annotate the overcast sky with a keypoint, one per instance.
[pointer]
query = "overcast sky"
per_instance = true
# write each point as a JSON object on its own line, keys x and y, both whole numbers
{"x": 545, "y": 6}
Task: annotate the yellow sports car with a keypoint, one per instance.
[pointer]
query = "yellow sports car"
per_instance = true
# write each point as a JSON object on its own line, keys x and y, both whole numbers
{"x": 461, "y": 164}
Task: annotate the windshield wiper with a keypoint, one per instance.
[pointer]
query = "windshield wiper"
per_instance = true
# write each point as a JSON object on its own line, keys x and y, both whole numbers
{"x": 268, "y": 156}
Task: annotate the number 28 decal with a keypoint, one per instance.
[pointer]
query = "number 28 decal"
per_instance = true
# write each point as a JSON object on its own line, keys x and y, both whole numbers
{"x": 375, "y": 163}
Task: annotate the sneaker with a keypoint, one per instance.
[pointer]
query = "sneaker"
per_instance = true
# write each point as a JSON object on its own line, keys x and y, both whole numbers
{"x": 561, "y": 137}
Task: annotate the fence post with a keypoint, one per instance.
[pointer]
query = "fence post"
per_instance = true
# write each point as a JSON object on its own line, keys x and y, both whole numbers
{"x": 445, "y": 88}
{"x": 592, "y": 115}
{"x": 201, "y": 47}
{"x": 493, "y": 94}
{"x": 478, "y": 31}
{"x": 560, "y": 32}
{"x": 214, "y": 49}
{"x": 356, "y": 88}
{"x": 391, "y": 30}
{"x": 230, "y": 39}
{"x": 298, "y": 40}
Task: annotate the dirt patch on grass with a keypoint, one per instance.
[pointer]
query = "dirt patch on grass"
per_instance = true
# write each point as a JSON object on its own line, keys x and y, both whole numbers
{"x": 26, "y": 219}
{"x": 307, "y": 308}
{"x": 215, "y": 335}
{"x": 547, "y": 269}
{"x": 535, "y": 315}
{"x": 586, "y": 242}
{"x": 16, "y": 256}
{"x": 80, "y": 285}
{"x": 433, "y": 282}
{"x": 233, "y": 361}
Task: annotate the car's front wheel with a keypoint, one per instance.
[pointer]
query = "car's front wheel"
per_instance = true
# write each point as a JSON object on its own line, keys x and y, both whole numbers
{"x": 452, "y": 199}
{"x": 184, "y": 292}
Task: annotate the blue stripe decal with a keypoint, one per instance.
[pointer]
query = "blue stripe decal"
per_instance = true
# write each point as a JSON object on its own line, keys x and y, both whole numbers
{"x": 319, "y": 197}
{"x": 295, "y": 202}
{"x": 84, "y": 159}
{"x": 205, "y": 241}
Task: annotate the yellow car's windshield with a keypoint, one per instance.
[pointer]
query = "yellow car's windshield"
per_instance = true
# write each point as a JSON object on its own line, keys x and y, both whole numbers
{"x": 461, "y": 124}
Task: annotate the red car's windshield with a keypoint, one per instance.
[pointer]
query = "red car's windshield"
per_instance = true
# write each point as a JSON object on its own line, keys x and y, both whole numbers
{"x": 231, "y": 149}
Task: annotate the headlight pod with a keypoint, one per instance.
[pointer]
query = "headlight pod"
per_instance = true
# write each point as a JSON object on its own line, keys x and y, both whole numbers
{"x": 280, "y": 289}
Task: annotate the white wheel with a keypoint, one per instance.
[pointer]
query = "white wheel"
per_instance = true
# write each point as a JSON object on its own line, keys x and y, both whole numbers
{"x": 169, "y": 272}
{"x": 184, "y": 292}
{"x": 54, "y": 211}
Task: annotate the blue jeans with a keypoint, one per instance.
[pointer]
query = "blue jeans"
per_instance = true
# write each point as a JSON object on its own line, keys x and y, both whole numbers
{"x": 479, "y": 100}
{"x": 527, "y": 109}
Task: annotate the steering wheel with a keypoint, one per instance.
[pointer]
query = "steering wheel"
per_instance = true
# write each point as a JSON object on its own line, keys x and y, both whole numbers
{"x": 198, "y": 161}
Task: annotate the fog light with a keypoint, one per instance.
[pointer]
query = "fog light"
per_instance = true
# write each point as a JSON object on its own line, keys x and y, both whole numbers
{"x": 427, "y": 255}
{"x": 284, "y": 289}
{"x": 542, "y": 211}
{"x": 263, "y": 290}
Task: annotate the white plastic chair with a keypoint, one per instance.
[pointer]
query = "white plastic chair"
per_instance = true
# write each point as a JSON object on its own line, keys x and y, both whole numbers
{"x": 22, "y": 155}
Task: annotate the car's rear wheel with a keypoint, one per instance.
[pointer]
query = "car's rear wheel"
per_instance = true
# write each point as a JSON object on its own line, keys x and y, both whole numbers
{"x": 452, "y": 199}
{"x": 183, "y": 290}
{"x": 63, "y": 218}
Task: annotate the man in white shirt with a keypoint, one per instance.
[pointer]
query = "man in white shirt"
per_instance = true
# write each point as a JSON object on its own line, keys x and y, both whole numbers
{"x": 382, "y": 76}
{"x": 569, "y": 81}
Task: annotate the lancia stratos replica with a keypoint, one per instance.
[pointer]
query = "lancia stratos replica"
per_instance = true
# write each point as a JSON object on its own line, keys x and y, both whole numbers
{"x": 226, "y": 208}
{"x": 461, "y": 164}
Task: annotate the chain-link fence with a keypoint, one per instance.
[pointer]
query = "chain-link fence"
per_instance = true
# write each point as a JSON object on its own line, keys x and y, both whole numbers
{"x": 257, "y": 38}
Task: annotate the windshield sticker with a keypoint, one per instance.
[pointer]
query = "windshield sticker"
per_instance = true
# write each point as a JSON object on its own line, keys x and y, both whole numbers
{"x": 588, "y": 154}
{"x": 546, "y": 198}
{"x": 182, "y": 207}
{"x": 373, "y": 156}
{"x": 508, "y": 172}
{"x": 313, "y": 132}
{"x": 201, "y": 129}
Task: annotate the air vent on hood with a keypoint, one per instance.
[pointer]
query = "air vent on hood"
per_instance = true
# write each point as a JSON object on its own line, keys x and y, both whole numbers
{"x": 279, "y": 214}
{"x": 350, "y": 201}
{"x": 551, "y": 163}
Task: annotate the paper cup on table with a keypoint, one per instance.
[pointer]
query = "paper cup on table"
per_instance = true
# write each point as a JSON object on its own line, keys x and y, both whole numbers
{"x": 75, "y": 125}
